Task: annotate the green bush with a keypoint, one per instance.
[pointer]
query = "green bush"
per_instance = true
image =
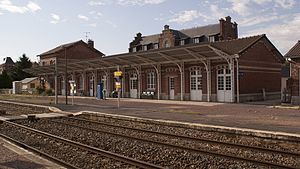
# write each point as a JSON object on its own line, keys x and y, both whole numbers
{"x": 40, "y": 90}
{"x": 49, "y": 92}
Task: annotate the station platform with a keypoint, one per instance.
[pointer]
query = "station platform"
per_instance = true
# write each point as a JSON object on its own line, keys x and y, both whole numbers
{"x": 266, "y": 117}
{"x": 14, "y": 157}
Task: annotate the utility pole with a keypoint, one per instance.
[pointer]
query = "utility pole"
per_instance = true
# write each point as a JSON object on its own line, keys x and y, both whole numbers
{"x": 55, "y": 82}
{"x": 66, "y": 76}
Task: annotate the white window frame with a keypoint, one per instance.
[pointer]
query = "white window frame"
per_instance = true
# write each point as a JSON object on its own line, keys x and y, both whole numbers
{"x": 182, "y": 42}
{"x": 167, "y": 44}
{"x": 211, "y": 39}
{"x": 196, "y": 40}
{"x": 145, "y": 48}
{"x": 134, "y": 49}
{"x": 151, "y": 81}
{"x": 155, "y": 46}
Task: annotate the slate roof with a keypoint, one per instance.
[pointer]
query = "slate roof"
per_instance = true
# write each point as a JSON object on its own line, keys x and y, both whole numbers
{"x": 185, "y": 33}
{"x": 294, "y": 52}
{"x": 28, "y": 80}
{"x": 236, "y": 46}
{"x": 67, "y": 45}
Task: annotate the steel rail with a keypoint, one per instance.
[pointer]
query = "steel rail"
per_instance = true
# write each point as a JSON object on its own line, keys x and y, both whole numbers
{"x": 265, "y": 163}
{"x": 192, "y": 138}
{"x": 182, "y": 126}
{"x": 107, "y": 154}
{"x": 38, "y": 152}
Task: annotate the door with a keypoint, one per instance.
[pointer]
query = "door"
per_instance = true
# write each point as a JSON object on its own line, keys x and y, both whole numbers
{"x": 224, "y": 92}
{"x": 91, "y": 86}
{"x": 171, "y": 88}
{"x": 133, "y": 85}
{"x": 196, "y": 84}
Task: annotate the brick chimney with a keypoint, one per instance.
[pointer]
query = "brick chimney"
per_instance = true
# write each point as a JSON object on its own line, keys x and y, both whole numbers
{"x": 166, "y": 27}
{"x": 228, "y": 30}
{"x": 91, "y": 43}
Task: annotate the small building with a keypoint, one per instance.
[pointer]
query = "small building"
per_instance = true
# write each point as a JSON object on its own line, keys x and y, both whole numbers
{"x": 64, "y": 55}
{"x": 293, "y": 56}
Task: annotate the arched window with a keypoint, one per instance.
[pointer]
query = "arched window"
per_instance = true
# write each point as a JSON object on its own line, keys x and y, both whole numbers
{"x": 167, "y": 44}
{"x": 151, "y": 80}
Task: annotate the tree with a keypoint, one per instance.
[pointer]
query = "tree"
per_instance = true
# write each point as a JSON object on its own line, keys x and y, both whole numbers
{"x": 18, "y": 73}
{"x": 5, "y": 81}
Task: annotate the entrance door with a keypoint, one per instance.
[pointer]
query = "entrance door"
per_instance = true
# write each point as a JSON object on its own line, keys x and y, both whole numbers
{"x": 133, "y": 85}
{"x": 91, "y": 86}
{"x": 224, "y": 92}
{"x": 171, "y": 88}
{"x": 196, "y": 84}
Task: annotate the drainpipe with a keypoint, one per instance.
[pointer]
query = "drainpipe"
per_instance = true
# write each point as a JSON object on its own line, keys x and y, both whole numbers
{"x": 237, "y": 79}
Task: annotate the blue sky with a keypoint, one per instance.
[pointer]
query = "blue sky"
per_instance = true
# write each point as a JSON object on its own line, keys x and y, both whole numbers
{"x": 35, "y": 26}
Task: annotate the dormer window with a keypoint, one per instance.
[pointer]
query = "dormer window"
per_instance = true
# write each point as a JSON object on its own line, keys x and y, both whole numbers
{"x": 196, "y": 40}
{"x": 211, "y": 38}
{"x": 182, "y": 42}
{"x": 156, "y": 46}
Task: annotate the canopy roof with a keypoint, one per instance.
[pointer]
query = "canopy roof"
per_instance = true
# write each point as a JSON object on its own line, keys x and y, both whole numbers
{"x": 186, "y": 53}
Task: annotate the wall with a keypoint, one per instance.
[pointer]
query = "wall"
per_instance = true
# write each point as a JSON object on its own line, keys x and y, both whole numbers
{"x": 259, "y": 70}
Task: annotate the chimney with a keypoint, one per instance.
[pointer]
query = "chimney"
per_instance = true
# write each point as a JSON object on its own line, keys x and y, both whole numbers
{"x": 91, "y": 43}
{"x": 166, "y": 27}
{"x": 228, "y": 19}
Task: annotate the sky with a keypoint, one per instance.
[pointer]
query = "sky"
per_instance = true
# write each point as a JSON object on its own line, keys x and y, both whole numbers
{"x": 36, "y": 26}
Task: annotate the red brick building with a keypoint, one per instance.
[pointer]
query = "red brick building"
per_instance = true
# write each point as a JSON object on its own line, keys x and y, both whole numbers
{"x": 293, "y": 55}
{"x": 208, "y": 63}
{"x": 62, "y": 55}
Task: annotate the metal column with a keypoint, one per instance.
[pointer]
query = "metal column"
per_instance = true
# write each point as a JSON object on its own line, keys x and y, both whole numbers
{"x": 208, "y": 79}
{"x": 182, "y": 81}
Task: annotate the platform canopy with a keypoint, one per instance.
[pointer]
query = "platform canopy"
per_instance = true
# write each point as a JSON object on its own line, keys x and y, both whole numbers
{"x": 178, "y": 54}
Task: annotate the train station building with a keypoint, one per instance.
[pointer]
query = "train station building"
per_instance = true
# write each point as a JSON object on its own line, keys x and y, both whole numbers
{"x": 208, "y": 63}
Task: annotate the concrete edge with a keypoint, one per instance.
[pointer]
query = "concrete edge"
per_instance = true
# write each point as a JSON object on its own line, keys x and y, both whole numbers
{"x": 232, "y": 130}
{"x": 51, "y": 108}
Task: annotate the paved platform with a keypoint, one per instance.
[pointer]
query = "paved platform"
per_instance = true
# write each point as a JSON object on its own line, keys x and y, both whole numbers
{"x": 13, "y": 157}
{"x": 268, "y": 117}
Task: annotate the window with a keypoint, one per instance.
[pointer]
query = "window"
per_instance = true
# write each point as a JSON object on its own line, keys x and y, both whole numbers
{"x": 167, "y": 44}
{"x": 211, "y": 38}
{"x": 145, "y": 47}
{"x": 228, "y": 83}
{"x": 156, "y": 46}
{"x": 196, "y": 40}
{"x": 32, "y": 85}
{"x": 182, "y": 42}
{"x": 134, "y": 49}
{"x": 151, "y": 80}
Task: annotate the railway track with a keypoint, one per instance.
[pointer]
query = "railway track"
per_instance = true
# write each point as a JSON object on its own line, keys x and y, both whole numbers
{"x": 203, "y": 133}
{"x": 257, "y": 155}
{"x": 68, "y": 153}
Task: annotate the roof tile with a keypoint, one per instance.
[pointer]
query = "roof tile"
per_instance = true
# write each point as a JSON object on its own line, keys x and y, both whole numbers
{"x": 294, "y": 52}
